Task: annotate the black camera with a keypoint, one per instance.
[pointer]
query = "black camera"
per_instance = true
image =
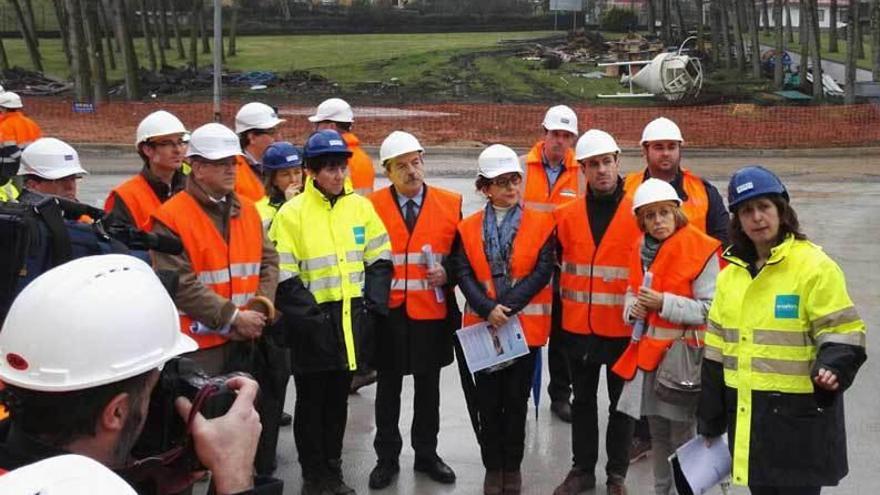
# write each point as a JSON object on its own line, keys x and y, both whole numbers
{"x": 165, "y": 440}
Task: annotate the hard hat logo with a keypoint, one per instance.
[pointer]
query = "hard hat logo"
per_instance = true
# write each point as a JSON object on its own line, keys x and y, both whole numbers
{"x": 17, "y": 362}
{"x": 744, "y": 187}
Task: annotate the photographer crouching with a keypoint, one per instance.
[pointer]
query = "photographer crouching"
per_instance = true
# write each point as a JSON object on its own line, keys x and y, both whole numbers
{"x": 81, "y": 351}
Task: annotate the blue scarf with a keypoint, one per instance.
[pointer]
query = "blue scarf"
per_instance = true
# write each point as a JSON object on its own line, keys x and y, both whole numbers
{"x": 497, "y": 242}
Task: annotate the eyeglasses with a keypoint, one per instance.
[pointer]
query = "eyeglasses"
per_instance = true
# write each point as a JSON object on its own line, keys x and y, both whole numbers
{"x": 504, "y": 182}
{"x": 271, "y": 131}
{"x": 180, "y": 143}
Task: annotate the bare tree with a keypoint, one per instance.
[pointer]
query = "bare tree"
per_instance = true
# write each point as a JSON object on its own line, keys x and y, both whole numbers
{"x": 161, "y": 40}
{"x": 203, "y": 27}
{"x": 61, "y": 17}
{"x": 666, "y": 20}
{"x": 754, "y": 27}
{"x": 31, "y": 20}
{"x": 849, "y": 90}
{"x": 804, "y": 38}
{"x": 875, "y": 39}
{"x": 148, "y": 35}
{"x": 29, "y": 37}
{"x": 652, "y": 17}
{"x": 79, "y": 68}
{"x": 778, "y": 79}
{"x": 765, "y": 15}
{"x": 725, "y": 34}
{"x": 194, "y": 35}
{"x": 233, "y": 28}
{"x": 175, "y": 25}
{"x": 815, "y": 49}
{"x": 715, "y": 20}
{"x": 832, "y": 27}
{"x": 682, "y": 27}
{"x": 4, "y": 60}
{"x": 739, "y": 36}
{"x": 96, "y": 50}
{"x": 162, "y": 12}
{"x": 107, "y": 30}
{"x": 701, "y": 26}
{"x": 789, "y": 29}
{"x": 857, "y": 23}
{"x": 285, "y": 10}
{"x": 122, "y": 28}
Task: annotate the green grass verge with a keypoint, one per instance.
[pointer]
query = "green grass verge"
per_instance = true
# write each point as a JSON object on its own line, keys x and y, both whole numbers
{"x": 840, "y": 56}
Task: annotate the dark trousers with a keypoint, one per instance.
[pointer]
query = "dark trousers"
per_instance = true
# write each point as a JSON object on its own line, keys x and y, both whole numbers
{"x": 643, "y": 430}
{"x": 559, "y": 387}
{"x": 319, "y": 419}
{"x": 785, "y": 490}
{"x": 426, "y": 415}
{"x": 585, "y": 416}
{"x": 502, "y": 399}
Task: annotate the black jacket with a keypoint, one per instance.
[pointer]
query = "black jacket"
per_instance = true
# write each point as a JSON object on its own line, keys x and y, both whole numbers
{"x": 314, "y": 331}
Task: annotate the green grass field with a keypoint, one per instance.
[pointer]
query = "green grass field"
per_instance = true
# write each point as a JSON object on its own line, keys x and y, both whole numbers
{"x": 840, "y": 56}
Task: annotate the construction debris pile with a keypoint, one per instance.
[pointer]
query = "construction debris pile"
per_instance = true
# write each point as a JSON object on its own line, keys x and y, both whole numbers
{"x": 183, "y": 80}
{"x": 578, "y": 48}
{"x": 28, "y": 82}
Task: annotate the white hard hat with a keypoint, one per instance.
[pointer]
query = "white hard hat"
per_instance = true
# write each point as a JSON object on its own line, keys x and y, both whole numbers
{"x": 256, "y": 116}
{"x": 561, "y": 118}
{"x": 334, "y": 110}
{"x": 50, "y": 159}
{"x": 654, "y": 191}
{"x": 158, "y": 123}
{"x": 594, "y": 143}
{"x": 8, "y": 99}
{"x": 398, "y": 143}
{"x": 661, "y": 129}
{"x": 64, "y": 475}
{"x": 89, "y": 322}
{"x": 498, "y": 160}
{"x": 213, "y": 141}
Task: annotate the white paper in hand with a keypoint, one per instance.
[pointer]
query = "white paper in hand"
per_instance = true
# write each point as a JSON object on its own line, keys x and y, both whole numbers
{"x": 703, "y": 467}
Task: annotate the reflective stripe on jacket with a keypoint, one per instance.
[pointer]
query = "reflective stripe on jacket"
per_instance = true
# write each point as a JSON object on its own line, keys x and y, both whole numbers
{"x": 360, "y": 167}
{"x": 593, "y": 279}
{"x": 247, "y": 184}
{"x": 534, "y": 230}
{"x": 696, "y": 208}
{"x": 139, "y": 198}
{"x": 436, "y": 227}
{"x": 767, "y": 330}
{"x": 538, "y": 194}
{"x": 679, "y": 261}
{"x": 327, "y": 246}
{"x": 231, "y": 269}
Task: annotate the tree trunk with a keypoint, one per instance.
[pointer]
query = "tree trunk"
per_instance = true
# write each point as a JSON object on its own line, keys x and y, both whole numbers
{"x": 804, "y": 38}
{"x": 194, "y": 35}
{"x": 31, "y": 20}
{"x": 62, "y": 29}
{"x": 849, "y": 89}
{"x": 175, "y": 25}
{"x": 4, "y": 60}
{"x": 203, "y": 27}
{"x": 778, "y": 76}
{"x": 857, "y": 22}
{"x": 122, "y": 25}
{"x": 765, "y": 15}
{"x": 233, "y": 29}
{"x": 157, "y": 10}
{"x": 815, "y": 50}
{"x": 107, "y": 30}
{"x": 29, "y": 41}
{"x": 666, "y": 20}
{"x": 164, "y": 40}
{"x": 875, "y": 40}
{"x": 652, "y": 17}
{"x": 682, "y": 28}
{"x": 789, "y": 29}
{"x": 79, "y": 69}
{"x": 96, "y": 50}
{"x": 752, "y": 11}
{"x": 701, "y": 27}
{"x": 832, "y": 27}
{"x": 715, "y": 23}
{"x": 285, "y": 10}
{"x": 725, "y": 35}
{"x": 739, "y": 35}
{"x": 148, "y": 36}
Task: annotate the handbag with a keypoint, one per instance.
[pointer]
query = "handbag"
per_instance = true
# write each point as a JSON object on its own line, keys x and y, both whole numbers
{"x": 678, "y": 375}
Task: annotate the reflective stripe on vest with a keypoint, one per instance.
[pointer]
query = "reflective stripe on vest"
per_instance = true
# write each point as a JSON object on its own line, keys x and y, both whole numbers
{"x": 537, "y": 193}
{"x": 139, "y": 198}
{"x": 678, "y": 262}
{"x": 436, "y": 227}
{"x": 696, "y": 208}
{"x": 247, "y": 184}
{"x": 534, "y": 230}
{"x": 231, "y": 270}
{"x": 593, "y": 279}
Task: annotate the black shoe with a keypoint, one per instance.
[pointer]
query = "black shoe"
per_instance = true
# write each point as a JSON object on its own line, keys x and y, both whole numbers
{"x": 334, "y": 485}
{"x": 562, "y": 410}
{"x": 314, "y": 487}
{"x": 436, "y": 469}
{"x": 286, "y": 419}
{"x": 383, "y": 474}
{"x": 360, "y": 380}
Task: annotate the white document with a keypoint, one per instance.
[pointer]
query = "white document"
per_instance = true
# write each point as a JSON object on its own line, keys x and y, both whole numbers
{"x": 484, "y": 348}
{"x": 429, "y": 262}
{"x": 704, "y": 467}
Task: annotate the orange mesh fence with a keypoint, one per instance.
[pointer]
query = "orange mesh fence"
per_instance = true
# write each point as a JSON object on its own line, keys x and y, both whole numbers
{"x": 720, "y": 126}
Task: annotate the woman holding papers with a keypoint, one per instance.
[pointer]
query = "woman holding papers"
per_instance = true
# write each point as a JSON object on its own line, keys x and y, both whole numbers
{"x": 784, "y": 342}
{"x": 504, "y": 268}
{"x": 683, "y": 263}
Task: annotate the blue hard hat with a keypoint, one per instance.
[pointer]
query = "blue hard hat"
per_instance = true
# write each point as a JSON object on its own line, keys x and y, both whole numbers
{"x": 282, "y": 155}
{"x": 326, "y": 142}
{"x": 751, "y": 182}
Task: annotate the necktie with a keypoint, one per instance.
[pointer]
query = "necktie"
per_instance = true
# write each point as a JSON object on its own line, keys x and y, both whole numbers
{"x": 409, "y": 216}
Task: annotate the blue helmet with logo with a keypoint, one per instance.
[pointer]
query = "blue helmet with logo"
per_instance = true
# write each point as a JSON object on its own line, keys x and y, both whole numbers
{"x": 282, "y": 155}
{"x": 326, "y": 142}
{"x": 751, "y": 182}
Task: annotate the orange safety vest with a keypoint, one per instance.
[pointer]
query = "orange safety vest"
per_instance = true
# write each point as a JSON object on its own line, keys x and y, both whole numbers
{"x": 534, "y": 230}
{"x": 139, "y": 198}
{"x": 18, "y": 128}
{"x": 435, "y": 226}
{"x": 360, "y": 167}
{"x": 247, "y": 184}
{"x": 593, "y": 279}
{"x": 678, "y": 263}
{"x": 568, "y": 186}
{"x": 231, "y": 270}
{"x": 696, "y": 208}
